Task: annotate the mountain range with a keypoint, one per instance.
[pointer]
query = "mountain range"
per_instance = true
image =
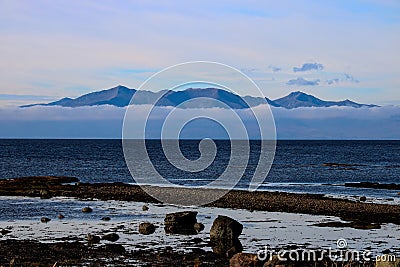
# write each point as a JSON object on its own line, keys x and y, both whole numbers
{"x": 120, "y": 96}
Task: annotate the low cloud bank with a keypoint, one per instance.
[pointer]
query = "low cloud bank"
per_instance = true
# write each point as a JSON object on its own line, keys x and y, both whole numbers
{"x": 107, "y": 121}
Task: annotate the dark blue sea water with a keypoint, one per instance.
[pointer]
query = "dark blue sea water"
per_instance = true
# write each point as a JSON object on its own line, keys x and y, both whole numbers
{"x": 297, "y": 167}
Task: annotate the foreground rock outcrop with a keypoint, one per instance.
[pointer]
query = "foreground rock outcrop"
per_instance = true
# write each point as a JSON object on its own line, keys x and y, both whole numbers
{"x": 224, "y": 236}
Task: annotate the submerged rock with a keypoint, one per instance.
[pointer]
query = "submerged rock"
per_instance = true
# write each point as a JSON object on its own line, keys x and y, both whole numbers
{"x": 111, "y": 237}
{"x": 106, "y": 219}
{"x": 146, "y": 228}
{"x": 224, "y": 235}
{"x": 60, "y": 216}
{"x": 180, "y": 223}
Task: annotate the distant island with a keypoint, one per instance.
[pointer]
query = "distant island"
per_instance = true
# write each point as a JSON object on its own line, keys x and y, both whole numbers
{"x": 121, "y": 96}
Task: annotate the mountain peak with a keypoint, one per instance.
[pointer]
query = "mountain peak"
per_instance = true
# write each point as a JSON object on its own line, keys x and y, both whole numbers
{"x": 121, "y": 96}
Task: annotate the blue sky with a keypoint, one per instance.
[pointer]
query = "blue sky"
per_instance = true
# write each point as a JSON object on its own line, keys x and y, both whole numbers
{"x": 54, "y": 49}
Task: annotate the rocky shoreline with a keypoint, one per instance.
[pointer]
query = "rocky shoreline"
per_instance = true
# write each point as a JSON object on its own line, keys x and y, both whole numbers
{"x": 95, "y": 252}
{"x": 354, "y": 211}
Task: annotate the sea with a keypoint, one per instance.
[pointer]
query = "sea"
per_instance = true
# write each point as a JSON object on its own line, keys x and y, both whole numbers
{"x": 300, "y": 166}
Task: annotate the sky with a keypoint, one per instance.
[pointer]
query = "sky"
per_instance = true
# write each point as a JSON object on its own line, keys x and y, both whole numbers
{"x": 335, "y": 50}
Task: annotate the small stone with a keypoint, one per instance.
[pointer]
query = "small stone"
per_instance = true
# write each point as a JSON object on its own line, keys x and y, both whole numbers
{"x": 87, "y": 209}
{"x": 106, "y": 219}
{"x": 93, "y": 239}
{"x": 198, "y": 227}
{"x": 146, "y": 228}
{"x": 363, "y": 198}
{"x": 45, "y": 219}
{"x": 111, "y": 237}
{"x": 60, "y": 216}
{"x": 145, "y": 208}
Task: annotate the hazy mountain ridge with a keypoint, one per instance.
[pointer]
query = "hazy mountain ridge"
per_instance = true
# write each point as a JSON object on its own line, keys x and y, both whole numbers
{"x": 120, "y": 96}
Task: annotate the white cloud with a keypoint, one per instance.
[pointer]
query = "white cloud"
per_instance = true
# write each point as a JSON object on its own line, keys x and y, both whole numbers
{"x": 106, "y": 122}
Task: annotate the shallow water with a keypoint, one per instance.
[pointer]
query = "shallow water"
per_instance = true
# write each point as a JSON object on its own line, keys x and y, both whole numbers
{"x": 274, "y": 229}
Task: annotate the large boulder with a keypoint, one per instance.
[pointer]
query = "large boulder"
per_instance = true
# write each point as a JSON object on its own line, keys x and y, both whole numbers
{"x": 224, "y": 236}
{"x": 180, "y": 223}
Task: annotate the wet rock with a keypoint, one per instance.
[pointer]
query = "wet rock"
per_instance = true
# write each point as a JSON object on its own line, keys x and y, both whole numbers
{"x": 391, "y": 186}
{"x": 60, "y": 216}
{"x": 224, "y": 235}
{"x": 145, "y": 208}
{"x": 198, "y": 227}
{"x": 45, "y": 194}
{"x": 4, "y": 231}
{"x": 365, "y": 225}
{"x": 45, "y": 219}
{"x": 180, "y": 223}
{"x": 363, "y": 199}
{"x": 93, "y": 239}
{"x": 106, "y": 219}
{"x": 356, "y": 225}
{"x": 244, "y": 260}
{"x": 111, "y": 237}
{"x": 87, "y": 209}
{"x": 146, "y": 228}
